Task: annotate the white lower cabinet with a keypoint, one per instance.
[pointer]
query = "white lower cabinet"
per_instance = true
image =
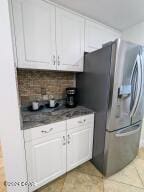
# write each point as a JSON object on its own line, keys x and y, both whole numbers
{"x": 79, "y": 148}
{"x": 54, "y": 149}
{"x": 46, "y": 159}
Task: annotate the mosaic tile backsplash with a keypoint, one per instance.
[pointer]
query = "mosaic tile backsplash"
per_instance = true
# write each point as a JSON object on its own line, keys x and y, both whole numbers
{"x": 40, "y": 85}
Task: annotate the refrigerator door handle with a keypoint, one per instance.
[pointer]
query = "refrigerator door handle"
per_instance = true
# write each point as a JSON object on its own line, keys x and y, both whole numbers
{"x": 138, "y": 83}
{"x": 142, "y": 81}
{"x": 123, "y": 133}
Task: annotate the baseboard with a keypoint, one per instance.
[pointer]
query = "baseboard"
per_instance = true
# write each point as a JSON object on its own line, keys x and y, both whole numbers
{"x": 142, "y": 143}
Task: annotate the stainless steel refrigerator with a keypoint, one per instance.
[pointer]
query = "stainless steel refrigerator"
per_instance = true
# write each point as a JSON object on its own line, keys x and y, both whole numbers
{"x": 112, "y": 85}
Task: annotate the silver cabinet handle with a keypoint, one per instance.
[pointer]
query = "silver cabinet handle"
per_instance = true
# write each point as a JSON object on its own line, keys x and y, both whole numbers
{"x": 69, "y": 138}
{"x": 54, "y": 59}
{"x": 64, "y": 140}
{"x": 45, "y": 132}
{"x": 58, "y": 61}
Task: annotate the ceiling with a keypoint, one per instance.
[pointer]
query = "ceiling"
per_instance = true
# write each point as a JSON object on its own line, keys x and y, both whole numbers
{"x": 119, "y": 14}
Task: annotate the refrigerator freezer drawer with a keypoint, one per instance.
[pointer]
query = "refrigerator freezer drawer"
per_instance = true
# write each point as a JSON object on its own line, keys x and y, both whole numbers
{"x": 121, "y": 148}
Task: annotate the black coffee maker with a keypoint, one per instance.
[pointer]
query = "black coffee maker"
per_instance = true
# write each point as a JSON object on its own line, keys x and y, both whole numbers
{"x": 71, "y": 97}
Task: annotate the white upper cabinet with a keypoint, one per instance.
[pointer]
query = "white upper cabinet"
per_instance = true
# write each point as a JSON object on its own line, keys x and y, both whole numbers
{"x": 70, "y": 41}
{"x": 34, "y": 22}
{"x": 96, "y": 35}
{"x": 39, "y": 29}
{"x": 53, "y": 38}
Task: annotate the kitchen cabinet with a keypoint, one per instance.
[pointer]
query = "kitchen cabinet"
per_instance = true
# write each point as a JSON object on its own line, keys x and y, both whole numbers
{"x": 54, "y": 149}
{"x": 80, "y": 141}
{"x": 53, "y": 38}
{"x": 46, "y": 155}
{"x": 34, "y": 26}
{"x": 96, "y": 35}
{"x": 47, "y": 37}
{"x": 70, "y": 41}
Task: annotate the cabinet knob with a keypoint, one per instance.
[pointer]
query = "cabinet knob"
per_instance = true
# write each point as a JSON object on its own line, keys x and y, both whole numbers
{"x": 54, "y": 59}
{"x": 69, "y": 138}
{"x": 64, "y": 140}
{"x": 58, "y": 61}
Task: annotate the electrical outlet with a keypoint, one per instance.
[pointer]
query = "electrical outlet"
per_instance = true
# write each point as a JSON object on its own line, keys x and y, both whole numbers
{"x": 45, "y": 97}
{"x": 43, "y": 91}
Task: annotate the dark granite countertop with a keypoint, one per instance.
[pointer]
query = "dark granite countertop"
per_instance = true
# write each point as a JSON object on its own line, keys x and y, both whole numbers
{"x": 44, "y": 117}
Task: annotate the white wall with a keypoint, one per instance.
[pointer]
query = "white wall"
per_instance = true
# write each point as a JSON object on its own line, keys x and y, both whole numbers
{"x": 11, "y": 135}
{"x": 136, "y": 34}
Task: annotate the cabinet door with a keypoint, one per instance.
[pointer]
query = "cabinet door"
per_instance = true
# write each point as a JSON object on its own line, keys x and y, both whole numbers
{"x": 79, "y": 146}
{"x": 34, "y": 22}
{"x": 46, "y": 159}
{"x": 70, "y": 41}
{"x": 97, "y": 35}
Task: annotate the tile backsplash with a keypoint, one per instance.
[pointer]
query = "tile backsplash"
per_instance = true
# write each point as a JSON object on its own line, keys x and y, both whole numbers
{"x": 39, "y": 85}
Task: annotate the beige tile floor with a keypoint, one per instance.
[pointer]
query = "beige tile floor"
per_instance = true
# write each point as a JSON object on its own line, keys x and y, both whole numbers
{"x": 87, "y": 178}
{"x": 2, "y": 176}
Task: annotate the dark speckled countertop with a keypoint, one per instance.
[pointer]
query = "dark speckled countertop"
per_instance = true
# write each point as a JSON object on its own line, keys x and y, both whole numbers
{"x": 44, "y": 117}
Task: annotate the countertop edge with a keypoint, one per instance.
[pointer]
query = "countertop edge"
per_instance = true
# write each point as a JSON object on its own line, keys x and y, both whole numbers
{"x": 24, "y": 128}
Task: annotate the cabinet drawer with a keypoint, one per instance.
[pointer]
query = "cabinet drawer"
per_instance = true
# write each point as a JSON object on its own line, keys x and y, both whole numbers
{"x": 44, "y": 131}
{"x": 88, "y": 119}
{"x": 80, "y": 121}
{"x": 74, "y": 122}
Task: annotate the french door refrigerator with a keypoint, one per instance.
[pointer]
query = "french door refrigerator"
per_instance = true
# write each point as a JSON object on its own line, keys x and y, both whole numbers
{"x": 112, "y": 85}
